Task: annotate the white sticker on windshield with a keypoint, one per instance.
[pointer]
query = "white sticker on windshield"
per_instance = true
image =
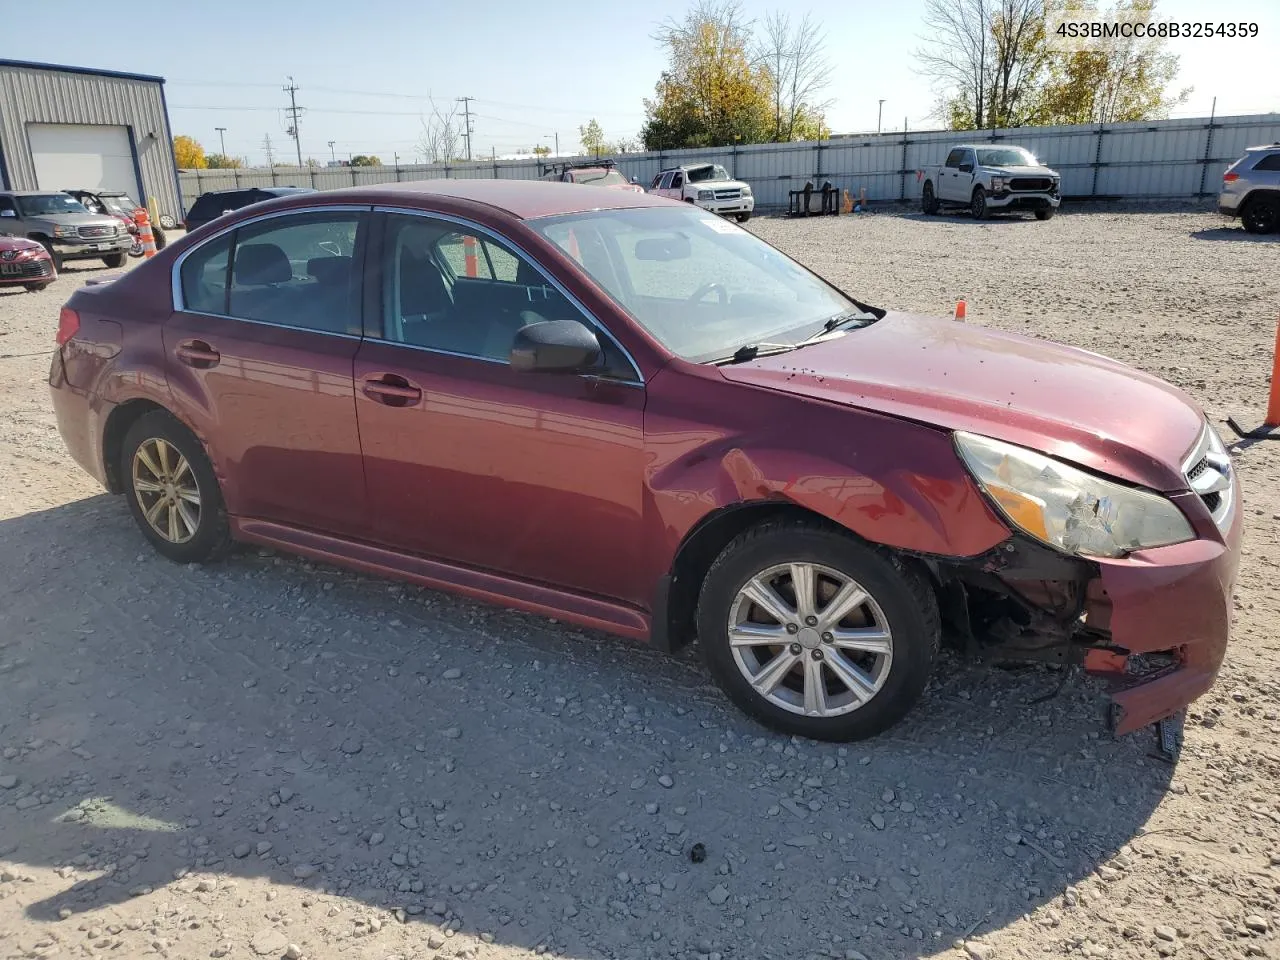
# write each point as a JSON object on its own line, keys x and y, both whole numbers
{"x": 722, "y": 226}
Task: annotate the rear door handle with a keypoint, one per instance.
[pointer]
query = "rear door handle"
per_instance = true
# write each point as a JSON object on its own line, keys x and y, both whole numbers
{"x": 198, "y": 354}
{"x": 391, "y": 389}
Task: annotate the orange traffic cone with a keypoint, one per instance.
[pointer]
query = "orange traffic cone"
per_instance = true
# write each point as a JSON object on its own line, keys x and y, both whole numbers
{"x": 961, "y": 310}
{"x": 144, "y": 232}
{"x": 847, "y": 205}
{"x": 1270, "y": 429}
{"x": 469, "y": 255}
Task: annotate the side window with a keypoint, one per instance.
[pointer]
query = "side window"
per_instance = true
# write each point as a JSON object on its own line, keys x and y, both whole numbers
{"x": 204, "y": 277}
{"x": 656, "y": 181}
{"x": 1270, "y": 162}
{"x": 677, "y": 181}
{"x": 666, "y": 180}
{"x": 6, "y": 203}
{"x": 431, "y": 298}
{"x": 955, "y": 157}
{"x": 298, "y": 271}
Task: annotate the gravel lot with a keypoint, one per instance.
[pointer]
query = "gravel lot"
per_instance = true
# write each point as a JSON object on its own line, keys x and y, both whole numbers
{"x": 272, "y": 758}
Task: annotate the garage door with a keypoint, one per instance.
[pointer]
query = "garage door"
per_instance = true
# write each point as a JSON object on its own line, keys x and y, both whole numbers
{"x": 82, "y": 157}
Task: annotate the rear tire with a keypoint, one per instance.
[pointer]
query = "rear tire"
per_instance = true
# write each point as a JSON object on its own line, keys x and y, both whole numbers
{"x": 1045, "y": 213}
{"x": 928, "y": 201}
{"x": 1261, "y": 215}
{"x": 117, "y": 259}
{"x": 773, "y": 682}
{"x": 159, "y": 237}
{"x": 978, "y": 206}
{"x": 172, "y": 492}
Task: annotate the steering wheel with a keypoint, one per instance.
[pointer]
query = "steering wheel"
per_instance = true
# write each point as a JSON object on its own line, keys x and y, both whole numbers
{"x": 706, "y": 288}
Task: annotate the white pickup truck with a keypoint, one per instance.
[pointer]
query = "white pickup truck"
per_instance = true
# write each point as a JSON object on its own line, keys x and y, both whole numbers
{"x": 989, "y": 178}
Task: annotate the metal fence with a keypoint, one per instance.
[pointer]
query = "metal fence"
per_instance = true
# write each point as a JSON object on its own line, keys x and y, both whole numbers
{"x": 1164, "y": 159}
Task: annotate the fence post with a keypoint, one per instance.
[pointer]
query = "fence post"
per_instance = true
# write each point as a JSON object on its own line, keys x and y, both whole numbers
{"x": 817, "y": 173}
{"x": 1208, "y": 147}
{"x": 734, "y": 172}
{"x": 1097, "y": 161}
{"x": 903, "y": 188}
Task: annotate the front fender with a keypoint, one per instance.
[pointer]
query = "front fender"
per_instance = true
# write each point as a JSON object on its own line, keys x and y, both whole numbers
{"x": 712, "y": 444}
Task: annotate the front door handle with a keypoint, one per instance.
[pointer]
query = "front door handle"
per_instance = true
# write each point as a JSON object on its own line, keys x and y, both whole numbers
{"x": 198, "y": 354}
{"x": 391, "y": 389}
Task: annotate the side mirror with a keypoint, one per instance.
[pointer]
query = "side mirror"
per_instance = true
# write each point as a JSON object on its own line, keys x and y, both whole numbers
{"x": 554, "y": 346}
{"x": 966, "y": 168}
{"x": 8, "y": 213}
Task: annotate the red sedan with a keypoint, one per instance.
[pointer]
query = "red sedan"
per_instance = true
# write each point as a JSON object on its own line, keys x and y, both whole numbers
{"x": 628, "y": 413}
{"x": 25, "y": 263}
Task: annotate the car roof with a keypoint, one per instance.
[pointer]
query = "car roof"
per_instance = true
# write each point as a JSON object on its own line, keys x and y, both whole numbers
{"x": 692, "y": 166}
{"x": 1263, "y": 146}
{"x": 279, "y": 191}
{"x": 31, "y": 193}
{"x": 524, "y": 199}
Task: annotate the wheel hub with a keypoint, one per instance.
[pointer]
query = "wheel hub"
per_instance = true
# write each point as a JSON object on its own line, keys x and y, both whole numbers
{"x": 809, "y": 638}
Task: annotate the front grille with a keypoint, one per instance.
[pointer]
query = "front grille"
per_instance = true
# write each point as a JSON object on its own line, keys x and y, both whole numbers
{"x": 735, "y": 194}
{"x": 96, "y": 233}
{"x": 1208, "y": 473}
{"x": 30, "y": 269}
{"x": 1038, "y": 184}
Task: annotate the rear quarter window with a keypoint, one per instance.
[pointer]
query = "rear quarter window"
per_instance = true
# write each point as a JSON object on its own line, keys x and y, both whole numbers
{"x": 204, "y": 277}
{"x": 1270, "y": 162}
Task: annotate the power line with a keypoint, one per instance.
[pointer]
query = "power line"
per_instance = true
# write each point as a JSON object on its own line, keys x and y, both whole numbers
{"x": 294, "y": 112}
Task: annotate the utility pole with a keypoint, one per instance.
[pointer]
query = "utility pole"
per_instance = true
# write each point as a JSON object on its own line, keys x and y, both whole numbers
{"x": 332, "y": 156}
{"x": 294, "y": 112}
{"x": 222, "y": 138}
{"x": 266, "y": 148}
{"x": 466, "y": 130}
{"x": 879, "y": 114}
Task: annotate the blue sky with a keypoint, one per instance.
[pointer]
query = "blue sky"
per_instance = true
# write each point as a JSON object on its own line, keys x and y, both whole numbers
{"x": 535, "y": 68}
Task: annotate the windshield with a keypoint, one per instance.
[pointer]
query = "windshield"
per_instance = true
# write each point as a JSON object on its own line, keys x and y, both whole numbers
{"x": 122, "y": 205}
{"x": 600, "y": 178}
{"x": 1006, "y": 157}
{"x": 701, "y": 285}
{"x": 710, "y": 172}
{"x": 46, "y": 203}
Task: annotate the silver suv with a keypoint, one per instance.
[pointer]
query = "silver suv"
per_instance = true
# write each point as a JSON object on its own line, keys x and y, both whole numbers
{"x": 1251, "y": 189}
{"x": 65, "y": 228}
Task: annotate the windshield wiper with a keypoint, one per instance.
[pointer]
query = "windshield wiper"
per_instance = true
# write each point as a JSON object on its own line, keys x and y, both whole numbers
{"x": 751, "y": 351}
{"x": 839, "y": 320}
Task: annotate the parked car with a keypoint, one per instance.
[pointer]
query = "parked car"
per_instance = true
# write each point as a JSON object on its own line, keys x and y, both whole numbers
{"x": 211, "y": 205}
{"x": 709, "y": 186}
{"x": 1251, "y": 189}
{"x": 123, "y": 207}
{"x": 64, "y": 227}
{"x": 594, "y": 173}
{"x": 26, "y": 263}
{"x": 624, "y": 412}
{"x": 990, "y": 178}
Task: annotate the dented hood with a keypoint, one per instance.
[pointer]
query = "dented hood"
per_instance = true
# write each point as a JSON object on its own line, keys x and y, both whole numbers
{"x": 1069, "y": 403}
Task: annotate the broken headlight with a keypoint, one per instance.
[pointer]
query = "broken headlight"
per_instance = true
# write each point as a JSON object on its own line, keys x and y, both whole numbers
{"x": 1067, "y": 508}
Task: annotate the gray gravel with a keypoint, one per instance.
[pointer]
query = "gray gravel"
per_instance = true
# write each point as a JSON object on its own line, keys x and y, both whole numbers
{"x": 410, "y": 775}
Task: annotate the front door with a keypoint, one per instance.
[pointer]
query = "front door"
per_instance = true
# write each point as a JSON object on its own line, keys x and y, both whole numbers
{"x": 532, "y": 475}
{"x": 260, "y": 357}
{"x": 949, "y": 182}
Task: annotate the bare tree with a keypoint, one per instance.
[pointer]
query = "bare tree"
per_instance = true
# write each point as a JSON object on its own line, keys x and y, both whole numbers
{"x": 441, "y": 133}
{"x": 988, "y": 57}
{"x": 796, "y": 60}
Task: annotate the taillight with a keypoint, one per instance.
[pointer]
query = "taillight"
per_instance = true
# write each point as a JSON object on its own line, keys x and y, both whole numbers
{"x": 1230, "y": 177}
{"x": 68, "y": 325}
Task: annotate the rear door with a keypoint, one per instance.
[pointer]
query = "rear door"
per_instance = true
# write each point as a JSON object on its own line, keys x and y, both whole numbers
{"x": 259, "y": 355}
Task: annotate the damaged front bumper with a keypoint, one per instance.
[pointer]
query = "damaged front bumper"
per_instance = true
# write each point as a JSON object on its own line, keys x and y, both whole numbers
{"x": 1155, "y": 623}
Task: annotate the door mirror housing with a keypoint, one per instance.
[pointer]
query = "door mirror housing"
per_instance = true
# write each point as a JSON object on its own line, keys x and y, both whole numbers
{"x": 554, "y": 346}
{"x": 966, "y": 168}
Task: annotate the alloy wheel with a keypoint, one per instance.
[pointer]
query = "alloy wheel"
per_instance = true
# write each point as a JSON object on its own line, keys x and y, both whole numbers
{"x": 1261, "y": 217}
{"x": 810, "y": 640}
{"x": 167, "y": 491}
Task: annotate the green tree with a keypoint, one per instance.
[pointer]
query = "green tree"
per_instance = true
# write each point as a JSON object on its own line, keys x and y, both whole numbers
{"x": 592, "y": 138}
{"x": 188, "y": 154}
{"x": 220, "y": 161}
{"x": 360, "y": 160}
{"x": 541, "y": 151}
{"x": 712, "y": 93}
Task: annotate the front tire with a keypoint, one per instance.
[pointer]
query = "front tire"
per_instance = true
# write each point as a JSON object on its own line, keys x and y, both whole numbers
{"x": 36, "y": 287}
{"x": 744, "y": 217}
{"x": 928, "y": 201}
{"x": 1045, "y": 213}
{"x": 53, "y": 254}
{"x": 117, "y": 259}
{"x": 158, "y": 235}
{"x": 978, "y": 206}
{"x": 172, "y": 491}
{"x": 816, "y": 634}
{"x": 1261, "y": 215}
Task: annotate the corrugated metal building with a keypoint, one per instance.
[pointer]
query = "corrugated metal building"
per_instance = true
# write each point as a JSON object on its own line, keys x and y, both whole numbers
{"x": 65, "y": 128}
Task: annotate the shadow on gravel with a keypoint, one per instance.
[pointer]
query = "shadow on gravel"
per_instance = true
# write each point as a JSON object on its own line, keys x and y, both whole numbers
{"x": 1237, "y": 234}
{"x": 491, "y": 772}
